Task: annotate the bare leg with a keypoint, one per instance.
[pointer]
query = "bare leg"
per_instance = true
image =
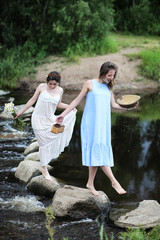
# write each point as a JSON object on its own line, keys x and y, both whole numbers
{"x": 46, "y": 174}
{"x": 90, "y": 183}
{"x": 115, "y": 184}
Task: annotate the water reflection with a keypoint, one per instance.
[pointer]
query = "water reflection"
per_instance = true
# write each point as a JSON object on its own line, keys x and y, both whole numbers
{"x": 137, "y": 156}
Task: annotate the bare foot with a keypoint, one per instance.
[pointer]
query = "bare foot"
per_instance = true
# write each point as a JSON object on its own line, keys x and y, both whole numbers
{"x": 93, "y": 190}
{"x": 46, "y": 174}
{"x": 118, "y": 188}
{"x": 47, "y": 177}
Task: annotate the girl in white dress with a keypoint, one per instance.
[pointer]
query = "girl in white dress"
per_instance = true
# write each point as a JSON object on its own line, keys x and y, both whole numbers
{"x": 48, "y": 96}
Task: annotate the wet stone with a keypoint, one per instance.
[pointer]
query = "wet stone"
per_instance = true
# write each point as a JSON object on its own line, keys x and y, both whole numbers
{"x": 34, "y": 156}
{"x": 33, "y": 147}
{"x": 145, "y": 215}
{"x": 79, "y": 203}
{"x": 28, "y": 169}
{"x": 39, "y": 185}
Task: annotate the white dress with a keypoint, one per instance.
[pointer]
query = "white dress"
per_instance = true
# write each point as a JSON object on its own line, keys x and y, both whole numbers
{"x": 43, "y": 118}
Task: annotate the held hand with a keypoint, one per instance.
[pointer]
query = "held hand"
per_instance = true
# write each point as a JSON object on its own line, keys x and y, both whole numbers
{"x": 18, "y": 114}
{"x": 15, "y": 117}
{"x": 75, "y": 110}
{"x": 59, "y": 119}
{"x": 135, "y": 106}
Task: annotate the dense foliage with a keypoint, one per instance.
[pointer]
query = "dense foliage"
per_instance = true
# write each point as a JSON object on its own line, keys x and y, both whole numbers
{"x": 137, "y": 16}
{"x": 31, "y": 30}
{"x": 53, "y": 24}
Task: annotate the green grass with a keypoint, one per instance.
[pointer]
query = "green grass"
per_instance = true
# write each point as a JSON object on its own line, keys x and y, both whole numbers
{"x": 154, "y": 234}
{"x": 16, "y": 64}
{"x": 107, "y": 45}
{"x": 150, "y": 66}
{"x": 149, "y": 54}
{"x": 48, "y": 223}
{"x": 130, "y": 40}
{"x": 133, "y": 234}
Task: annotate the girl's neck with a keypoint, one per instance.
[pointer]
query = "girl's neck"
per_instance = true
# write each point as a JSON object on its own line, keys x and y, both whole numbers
{"x": 99, "y": 80}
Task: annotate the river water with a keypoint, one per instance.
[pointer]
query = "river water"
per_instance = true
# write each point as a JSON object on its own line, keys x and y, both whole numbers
{"x": 136, "y": 147}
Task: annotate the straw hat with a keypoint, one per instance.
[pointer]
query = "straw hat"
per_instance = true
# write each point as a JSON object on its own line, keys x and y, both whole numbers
{"x": 128, "y": 100}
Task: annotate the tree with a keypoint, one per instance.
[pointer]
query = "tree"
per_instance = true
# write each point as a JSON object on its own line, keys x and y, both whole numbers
{"x": 137, "y": 16}
{"x": 54, "y": 24}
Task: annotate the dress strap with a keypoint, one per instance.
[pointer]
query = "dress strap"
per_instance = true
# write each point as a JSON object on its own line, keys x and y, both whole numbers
{"x": 59, "y": 91}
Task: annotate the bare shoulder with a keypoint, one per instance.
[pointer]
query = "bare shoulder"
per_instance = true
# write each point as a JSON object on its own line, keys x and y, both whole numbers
{"x": 88, "y": 85}
{"x": 41, "y": 86}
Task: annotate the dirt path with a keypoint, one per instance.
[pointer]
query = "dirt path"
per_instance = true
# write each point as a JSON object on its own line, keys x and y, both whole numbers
{"x": 73, "y": 76}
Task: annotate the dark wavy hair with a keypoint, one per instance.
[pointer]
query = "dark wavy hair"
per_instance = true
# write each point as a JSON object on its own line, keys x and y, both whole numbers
{"x": 54, "y": 76}
{"x": 105, "y": 69}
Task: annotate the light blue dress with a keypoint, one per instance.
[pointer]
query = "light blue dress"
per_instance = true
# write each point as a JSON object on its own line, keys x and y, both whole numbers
{"x": 96, "y": 127}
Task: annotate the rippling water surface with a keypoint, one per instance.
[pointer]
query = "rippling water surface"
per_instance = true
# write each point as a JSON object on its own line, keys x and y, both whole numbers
{"x": 136, "y": 147}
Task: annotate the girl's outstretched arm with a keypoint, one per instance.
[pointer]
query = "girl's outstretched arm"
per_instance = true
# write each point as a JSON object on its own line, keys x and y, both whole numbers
{"x": 31, "y": 101}
{"x": 86, "y": 87}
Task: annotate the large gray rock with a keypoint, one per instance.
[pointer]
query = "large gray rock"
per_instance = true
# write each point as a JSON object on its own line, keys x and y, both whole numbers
{"x": 27, "y": 170}
{"x": 78, "y": 203}
{"x": 33, "y": 147}
{"x": 39, "y": 185}
{"x": 32, "y": 156}
{"x": 145, "y": 215}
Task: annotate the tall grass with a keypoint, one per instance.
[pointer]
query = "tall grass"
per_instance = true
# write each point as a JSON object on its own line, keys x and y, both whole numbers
{"x": 150, "y": 67}
{"x": 17, "y": 63}
{"x": 133, "y": 234}
{"x": 107, "y": 45}
{"x": 132, "y": 40}
{"x": 48, "y": 223}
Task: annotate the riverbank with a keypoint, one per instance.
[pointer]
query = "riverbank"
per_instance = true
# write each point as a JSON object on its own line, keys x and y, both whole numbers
{"x": 74, "y": 75}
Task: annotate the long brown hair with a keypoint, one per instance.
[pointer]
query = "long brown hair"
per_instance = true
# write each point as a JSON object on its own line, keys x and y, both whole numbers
{"x": 105, "y": 69}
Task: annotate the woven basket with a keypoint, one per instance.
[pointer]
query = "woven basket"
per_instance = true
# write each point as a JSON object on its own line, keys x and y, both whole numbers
{"x": 56, "y": 128}
{"x": 128, "y": 100}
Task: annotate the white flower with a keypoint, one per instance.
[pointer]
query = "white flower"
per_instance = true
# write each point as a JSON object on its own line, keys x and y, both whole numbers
{"x": 9, "y": 107}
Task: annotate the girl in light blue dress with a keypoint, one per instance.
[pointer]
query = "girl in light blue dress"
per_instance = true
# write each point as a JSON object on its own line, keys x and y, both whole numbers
{"x": 96, "y": 125}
